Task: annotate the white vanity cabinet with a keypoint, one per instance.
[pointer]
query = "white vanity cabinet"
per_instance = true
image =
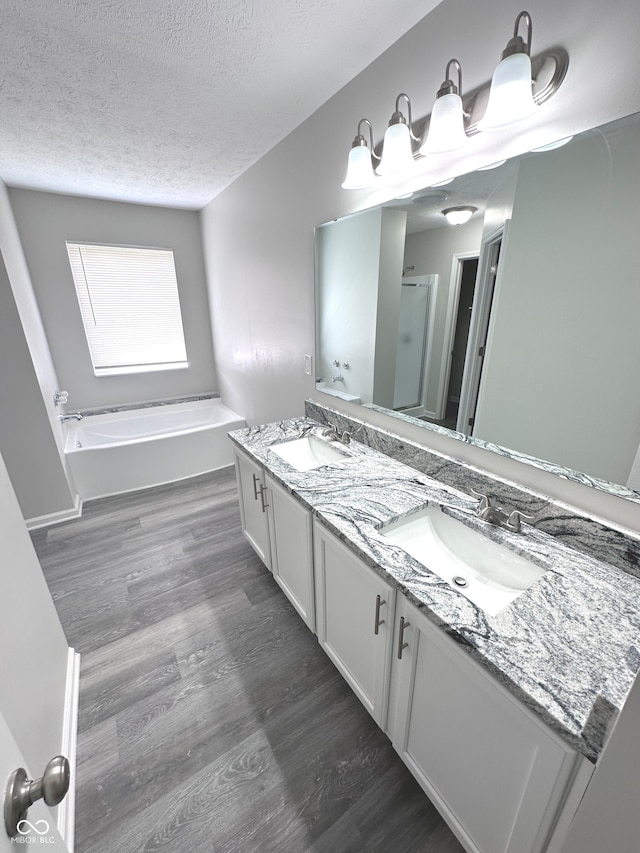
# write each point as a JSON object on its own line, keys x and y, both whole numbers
{"x": 291, "y": 535}
{"x": 503, "y": 780}
{"x": 496, "y": 773}
{"x": 253, "y": 505}
{"x": 279, "y": 529}
{"x": 354, "y": 612}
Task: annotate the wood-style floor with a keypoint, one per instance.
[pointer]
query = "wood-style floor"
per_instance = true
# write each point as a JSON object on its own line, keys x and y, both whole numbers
{"x": 210, "y": 719}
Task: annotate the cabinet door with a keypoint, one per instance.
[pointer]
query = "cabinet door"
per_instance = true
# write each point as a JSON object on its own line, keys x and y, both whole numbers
{"x": 253, "y": 505}
{"x": 292, "y": 550}
{"x": 354, "y": 617}
{"x": 495, "y": 772}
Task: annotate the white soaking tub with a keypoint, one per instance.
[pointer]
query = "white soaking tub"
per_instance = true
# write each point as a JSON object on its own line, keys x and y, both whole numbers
{"x": 135, "y": 449}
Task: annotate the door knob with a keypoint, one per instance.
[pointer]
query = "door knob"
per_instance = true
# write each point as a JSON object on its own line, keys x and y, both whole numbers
{"x": 22, "y": 792}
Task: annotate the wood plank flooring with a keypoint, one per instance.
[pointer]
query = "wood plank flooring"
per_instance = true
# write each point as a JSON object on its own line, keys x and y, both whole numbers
{"x": 210, "y": 719}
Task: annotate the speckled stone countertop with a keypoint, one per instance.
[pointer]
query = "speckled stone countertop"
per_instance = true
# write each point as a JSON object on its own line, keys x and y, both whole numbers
{"x": 569, "y": 647}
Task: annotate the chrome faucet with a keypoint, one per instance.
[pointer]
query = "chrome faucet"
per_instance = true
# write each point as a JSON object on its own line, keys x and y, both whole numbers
{"x": 496, "y": 515}
{"x": 70, "y": 416}
{"x": 332, "y": 433}
{"x": 338, "y": 378}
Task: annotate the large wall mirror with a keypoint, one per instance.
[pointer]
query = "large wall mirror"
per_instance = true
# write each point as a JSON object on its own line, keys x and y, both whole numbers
{"x": 519, "y": 329}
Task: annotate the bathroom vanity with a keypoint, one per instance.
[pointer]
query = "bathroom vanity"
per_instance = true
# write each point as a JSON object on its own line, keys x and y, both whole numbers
{"x": 500, "y": 713}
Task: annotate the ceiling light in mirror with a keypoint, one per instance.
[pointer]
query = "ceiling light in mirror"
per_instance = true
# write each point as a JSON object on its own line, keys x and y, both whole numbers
{"x": 458, "y": 215}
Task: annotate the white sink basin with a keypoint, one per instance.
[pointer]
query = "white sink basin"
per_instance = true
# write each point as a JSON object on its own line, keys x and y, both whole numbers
{"x": 487, "y": 573}
{"x": 305, "y": 454}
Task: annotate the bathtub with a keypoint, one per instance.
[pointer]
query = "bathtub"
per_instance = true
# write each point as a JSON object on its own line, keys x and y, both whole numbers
{"x": 135, "y": 449}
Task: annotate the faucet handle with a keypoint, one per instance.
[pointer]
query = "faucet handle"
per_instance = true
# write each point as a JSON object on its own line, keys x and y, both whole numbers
{"x": 485, "y": 500}
{"x": 515, "y": 517}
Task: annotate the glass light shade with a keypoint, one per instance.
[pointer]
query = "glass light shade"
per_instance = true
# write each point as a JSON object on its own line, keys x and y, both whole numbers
{"x": 510, "y": 99}
{"x": 446, "y": 127}
{"x": 459, "y": 215}
{"x": 396, "y": 150}
{"x": 359, "y": 169}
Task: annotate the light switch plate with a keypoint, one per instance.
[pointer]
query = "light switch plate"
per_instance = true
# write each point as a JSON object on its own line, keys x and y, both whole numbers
{"x": 307, "y": 364}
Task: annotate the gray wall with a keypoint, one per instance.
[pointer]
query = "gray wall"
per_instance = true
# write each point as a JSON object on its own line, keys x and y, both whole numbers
{"x": 259, "y": 232}
{"x": 431, "y": 252}
{"x": 564, "y": 344}
{"x": 26, "y": 439}
{"x": 30, "y": 434}
{"x": 45, "y": 221}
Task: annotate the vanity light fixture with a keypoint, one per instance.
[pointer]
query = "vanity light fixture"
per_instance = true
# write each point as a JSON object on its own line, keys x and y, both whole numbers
{"x": 520, "y": 84}
{"x": 360, "y": 172}
{"x": 511, "y": 96}
{"x": 459, "y": 215}
{"x": 397, "y": 149}
{"x": 446, "y": 127}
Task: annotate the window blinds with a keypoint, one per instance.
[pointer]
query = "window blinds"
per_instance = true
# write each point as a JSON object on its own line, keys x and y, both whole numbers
{"x": 130, "y": 308}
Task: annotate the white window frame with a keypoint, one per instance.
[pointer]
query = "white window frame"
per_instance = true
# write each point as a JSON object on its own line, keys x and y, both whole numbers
{"x": 130, "y": 307}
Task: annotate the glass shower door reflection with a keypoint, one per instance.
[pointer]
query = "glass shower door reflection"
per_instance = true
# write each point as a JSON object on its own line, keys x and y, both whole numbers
{"x": 413, "y": 329}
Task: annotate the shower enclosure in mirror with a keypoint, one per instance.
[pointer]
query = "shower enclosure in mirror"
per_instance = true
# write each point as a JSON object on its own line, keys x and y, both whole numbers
{"x": 519, "y": 329}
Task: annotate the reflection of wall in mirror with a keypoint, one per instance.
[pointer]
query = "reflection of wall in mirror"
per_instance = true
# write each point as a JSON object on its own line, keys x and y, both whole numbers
{"x": 358, "y": 273}
{"x": 561, "y": 371}
{"x": 432, "y": 251}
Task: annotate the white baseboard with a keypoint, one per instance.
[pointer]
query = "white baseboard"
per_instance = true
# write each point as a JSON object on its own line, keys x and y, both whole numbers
{"x": 56, "y": 517}
{"x": 67, "y": 808}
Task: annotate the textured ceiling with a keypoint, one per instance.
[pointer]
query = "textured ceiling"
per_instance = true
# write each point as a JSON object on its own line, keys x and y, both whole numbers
{"x": 168, "y": 101}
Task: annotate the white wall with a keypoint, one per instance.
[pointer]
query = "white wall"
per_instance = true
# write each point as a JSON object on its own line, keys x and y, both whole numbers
{"x": 258, "y": 233}
{"x": 45, "y": 221}
{"x": 358, "y": 271}
{"x": 347, "y": 264}
{"x": 33, "y": 665}
{"x": 608, "y": 818}
{"x": 392, "y": 239}
{"x": 574, "y": 367}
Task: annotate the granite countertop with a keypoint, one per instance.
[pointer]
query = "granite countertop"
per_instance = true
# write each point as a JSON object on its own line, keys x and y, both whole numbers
{"x": 569, "y": 647}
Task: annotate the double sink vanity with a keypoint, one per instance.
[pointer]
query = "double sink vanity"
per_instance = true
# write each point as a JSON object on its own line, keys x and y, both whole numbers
{"x": 495, "y": 657}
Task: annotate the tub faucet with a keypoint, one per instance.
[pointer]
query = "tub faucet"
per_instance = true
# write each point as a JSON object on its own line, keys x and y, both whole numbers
{"x": 70, "y": 416}
{"x": 338, "y": 378}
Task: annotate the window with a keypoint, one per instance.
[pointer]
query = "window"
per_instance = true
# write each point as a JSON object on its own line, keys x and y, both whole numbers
{"x": 130, "y": 307}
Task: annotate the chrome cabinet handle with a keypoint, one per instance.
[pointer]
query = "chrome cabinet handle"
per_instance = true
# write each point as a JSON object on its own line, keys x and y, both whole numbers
{"x": 401, "y": 644}
{"x": 378, "y": 621}
{"x": 255, "y": 487}
{"x": 22, "y": 792}
{"x": 263, "y": 502}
